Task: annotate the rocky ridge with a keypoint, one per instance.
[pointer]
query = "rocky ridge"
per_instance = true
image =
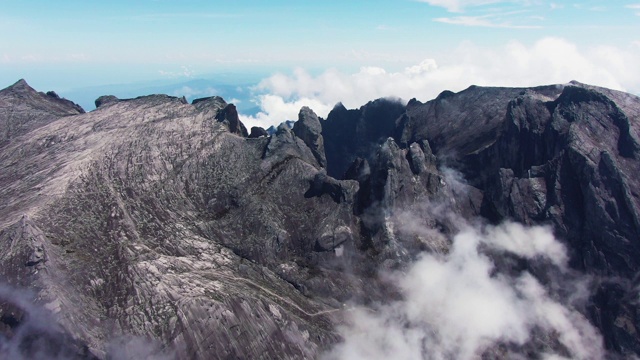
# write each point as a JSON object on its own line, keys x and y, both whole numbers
{"x": 166, "y": 221}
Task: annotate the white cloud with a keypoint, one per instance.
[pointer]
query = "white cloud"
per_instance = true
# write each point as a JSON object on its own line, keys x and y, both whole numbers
{"x": 184, "y": 71}
{"x": 527, "y": 242}
{"x": 424, "y": 67}
{"x": 547, "y": 61}
{"x": 555, "y": 6}
{"x": 78, "y": 57}
{"x": 190, "y": 92}
{"x": 30, "y": 58}
{"x": 274, "y": 107}
{"x": 459, "y": 305}
{"x": 493, "y": 18}
{"x": 188, "y": 15}
{"x": 635, "y": 7}
{"x": 459, "y": 5}
{"x": 481, "y": 21}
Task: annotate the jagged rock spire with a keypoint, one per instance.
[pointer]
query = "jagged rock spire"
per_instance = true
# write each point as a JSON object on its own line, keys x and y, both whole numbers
{"x": 309, "y": 129}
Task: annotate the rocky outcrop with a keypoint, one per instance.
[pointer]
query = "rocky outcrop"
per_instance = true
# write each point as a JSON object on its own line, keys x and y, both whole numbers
{"x": 60, "y": 100}
{"x": 323, "y": 184}
{"x": 395, "y": 179}
{"x": 229, "y": 117}
{"x": 284, "y": 144}
{"x": 106, "y": 99}
{"x": 223, "y": 113}
{"x": 349, "y": 134}
{"x": 23, "y": 251}
{"x": 308, "y": 129}
{"x": 564, "y": 160}
{"x": 257, "y": 132}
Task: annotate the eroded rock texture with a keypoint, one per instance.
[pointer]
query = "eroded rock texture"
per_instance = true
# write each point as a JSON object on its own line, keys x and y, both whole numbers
{"x": 168, "y": 224}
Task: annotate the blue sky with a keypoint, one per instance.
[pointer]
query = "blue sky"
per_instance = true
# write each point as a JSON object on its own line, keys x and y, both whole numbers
{"x": 69, "y": 45}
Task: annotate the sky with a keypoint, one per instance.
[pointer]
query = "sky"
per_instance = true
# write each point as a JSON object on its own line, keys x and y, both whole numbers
{"x": 289, "y": 53}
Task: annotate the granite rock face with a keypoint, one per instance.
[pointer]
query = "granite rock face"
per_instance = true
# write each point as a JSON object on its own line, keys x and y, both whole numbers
{"x": 309, "y": 129}
{"x": 229, "y": 116}
{"x": 105, "y": 99}
{"x": 149, "y": 219}
{"x": 257, "y": 132}
{"x": 166, "y": 224}
{"x": 349, "y": 134}
{"x": 564, "y": 155}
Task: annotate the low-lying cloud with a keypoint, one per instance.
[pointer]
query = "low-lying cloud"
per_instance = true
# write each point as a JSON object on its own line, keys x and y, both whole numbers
{"x": 29, "y": 331}
{"x": 547, "y": 61}
{"x": 460, "y": 306}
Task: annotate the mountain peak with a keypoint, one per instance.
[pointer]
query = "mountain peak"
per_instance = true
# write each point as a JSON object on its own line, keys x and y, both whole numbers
{"x": 21, "y": 86}
{"x": 21, "y": 82}
{"x": 37, "y": 99}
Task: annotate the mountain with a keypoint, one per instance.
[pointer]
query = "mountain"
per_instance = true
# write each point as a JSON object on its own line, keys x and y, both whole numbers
{"x": 230, "y": 86}
{"x": 156, "y": 227}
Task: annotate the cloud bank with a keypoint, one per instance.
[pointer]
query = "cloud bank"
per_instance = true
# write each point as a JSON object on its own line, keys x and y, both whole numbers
{"x": 460, "y": 306}
{"x": 547, "y": 61}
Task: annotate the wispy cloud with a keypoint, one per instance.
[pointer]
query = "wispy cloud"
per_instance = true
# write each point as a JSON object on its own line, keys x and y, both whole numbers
{"x": 494, "y": 16}
{"x": 184, "y": 71}
{"x": 635, "y": 7}
{"x": 78, "y": 57}
{"x": 460, "y": 5}
{"x": 592, "y": 8}
{"x": 383, "y": 27}
{"x": 38, "y": 57}
{"x": 187, "y": 15}
{"x": 191, "y": 92}
{"x": 554, "y": 6}
{"x": 482, "y": 21}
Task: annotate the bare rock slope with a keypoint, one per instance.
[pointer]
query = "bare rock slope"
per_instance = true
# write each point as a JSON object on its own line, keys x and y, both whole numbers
{"x": 149, "y": 217}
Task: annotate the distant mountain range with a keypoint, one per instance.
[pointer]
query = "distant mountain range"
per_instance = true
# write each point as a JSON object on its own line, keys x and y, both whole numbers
{"x": 493, "y": 223}
{"x": 239, "y": 93}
